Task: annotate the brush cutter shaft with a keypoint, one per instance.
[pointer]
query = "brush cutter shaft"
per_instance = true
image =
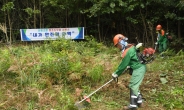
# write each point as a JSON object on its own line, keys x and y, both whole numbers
{"x": 156, "y": 45}
{"x": 95, "y": 91}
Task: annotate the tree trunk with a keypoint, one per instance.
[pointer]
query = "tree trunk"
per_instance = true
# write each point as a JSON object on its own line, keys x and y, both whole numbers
{"x": 7, "y": 39}
{"x": 10, "y": 26}
{"x": 40, "y": 14}
{"x": 151, "y": 33}
{"x": 66, "y": 18}
{"x": 144, "y": 26}
{"x": 34, "y": 14}
{"x": 179, "y": 31}
{"x": 85, "y": 30}
{"x": 99, "y": 29}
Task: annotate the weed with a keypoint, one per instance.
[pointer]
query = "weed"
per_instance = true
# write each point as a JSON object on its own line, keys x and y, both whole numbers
{"x": 31, "y": 105}
{"x": 96, "y": 73}
{"x": 65, "y": 101}
{"x": 32, "y": 76}
{"x": 5, "y": 61}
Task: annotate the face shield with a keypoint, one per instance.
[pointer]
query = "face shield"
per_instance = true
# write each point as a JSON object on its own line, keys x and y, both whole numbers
{"x": 123, "y": 44}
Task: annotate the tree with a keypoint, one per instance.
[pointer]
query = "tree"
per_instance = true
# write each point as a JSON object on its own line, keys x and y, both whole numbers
{"x": 7, "y": 8}
{"x": 101, "y": 18}
{"x": 180, "y": 5}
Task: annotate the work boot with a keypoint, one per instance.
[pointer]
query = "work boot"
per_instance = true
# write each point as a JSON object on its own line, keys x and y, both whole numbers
{"x": 129, "y": 108}
{"x": 139, "y": 100}
{"x": 133, "y": 102}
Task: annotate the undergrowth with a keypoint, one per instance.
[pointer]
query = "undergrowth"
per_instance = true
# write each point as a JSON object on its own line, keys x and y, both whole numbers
{"x": 56, "y": 74}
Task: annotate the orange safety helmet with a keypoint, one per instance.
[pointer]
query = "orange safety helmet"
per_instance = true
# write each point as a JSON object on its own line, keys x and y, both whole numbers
{"x": 117, "y": 38}
{"x": 159, "y": 27}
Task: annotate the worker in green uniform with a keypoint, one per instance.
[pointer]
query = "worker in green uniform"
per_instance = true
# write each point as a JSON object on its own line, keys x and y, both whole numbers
{"x": 161, "y": 39}
{"x": 130, "y": 59}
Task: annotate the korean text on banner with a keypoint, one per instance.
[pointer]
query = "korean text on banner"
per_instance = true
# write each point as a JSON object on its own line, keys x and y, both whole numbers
{"x": 51, "y": 33}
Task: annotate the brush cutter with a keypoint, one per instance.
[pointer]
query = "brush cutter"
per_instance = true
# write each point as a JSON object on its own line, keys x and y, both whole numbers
{"x": 80, "y": 106}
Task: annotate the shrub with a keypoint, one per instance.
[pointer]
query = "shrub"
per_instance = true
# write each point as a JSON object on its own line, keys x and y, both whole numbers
{"x": 65, "y": 100}
{"x": 95, "y": 73}
{"x": 56, "y": 66}
{"x": 5, "y": 61}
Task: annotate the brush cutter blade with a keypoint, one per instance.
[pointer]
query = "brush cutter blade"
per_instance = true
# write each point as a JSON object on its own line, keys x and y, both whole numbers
{"x": 83, "y": 103}
{"x": 80, "y": 106}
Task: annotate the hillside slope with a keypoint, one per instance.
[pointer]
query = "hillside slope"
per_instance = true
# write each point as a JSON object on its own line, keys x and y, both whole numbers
{"x": 56, "y": 74}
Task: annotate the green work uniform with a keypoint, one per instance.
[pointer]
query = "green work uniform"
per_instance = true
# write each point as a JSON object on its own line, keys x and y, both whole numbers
{"x": 162, "y": 41}
{"x": 130, "y": 59}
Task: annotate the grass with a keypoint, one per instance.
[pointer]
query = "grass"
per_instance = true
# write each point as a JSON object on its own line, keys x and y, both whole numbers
{"x": 46, "y": 76}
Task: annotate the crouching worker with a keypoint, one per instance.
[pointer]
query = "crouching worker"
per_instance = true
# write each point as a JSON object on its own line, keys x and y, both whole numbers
{"x": 130, "y": 59}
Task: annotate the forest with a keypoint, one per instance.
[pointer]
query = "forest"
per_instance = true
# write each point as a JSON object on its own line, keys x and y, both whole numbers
{"x": 136, "y": 19}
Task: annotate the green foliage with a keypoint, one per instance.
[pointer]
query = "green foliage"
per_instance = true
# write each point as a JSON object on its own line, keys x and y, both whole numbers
{"x": 134, "y": 21}
{"x": 60, "y": 44}
{"x": 170, "y": 100}
{"x": 112, "y": 104}
{"x": 8, "y": 6}
{"x": 18, "y": 52}
{"x": 171, "y": 61}
{"x": 34, "y": 78}
{"x": 88, "y": 12}
{"x": 65, "y": 101}
{"x": 31, "y": 11}
{"x": 170, "y": 72}
{"x": 64, "y": 65}
{"x": 55, "y": 67}
{"x": 95, "y": 73}
{"x": 5, "y": 61}
{"x": 170, "y": 15}
{"x": 76, "y": 67}
{"x": 94, "y": 45}
{"x": 31, "y": 105}
{"x": 53, "y": 3}
{"x": 177, "y": 42}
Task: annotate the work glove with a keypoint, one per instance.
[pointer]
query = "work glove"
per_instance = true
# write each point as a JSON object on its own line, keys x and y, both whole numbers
{"x": 115, "y": 77}
{"x": 130, "y": 70}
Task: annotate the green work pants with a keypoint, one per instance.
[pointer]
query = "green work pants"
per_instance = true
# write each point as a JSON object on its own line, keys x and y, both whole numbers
{"x": 162, "y": 46}
{"x": 137, "y": 78}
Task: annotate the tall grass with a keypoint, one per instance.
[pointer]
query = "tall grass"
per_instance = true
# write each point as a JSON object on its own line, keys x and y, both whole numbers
{"x": 95, "y": 73}
{"x": 5, "y": 61}
{"x": 46, "y": 76}
{"x": 171, "y": 69}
